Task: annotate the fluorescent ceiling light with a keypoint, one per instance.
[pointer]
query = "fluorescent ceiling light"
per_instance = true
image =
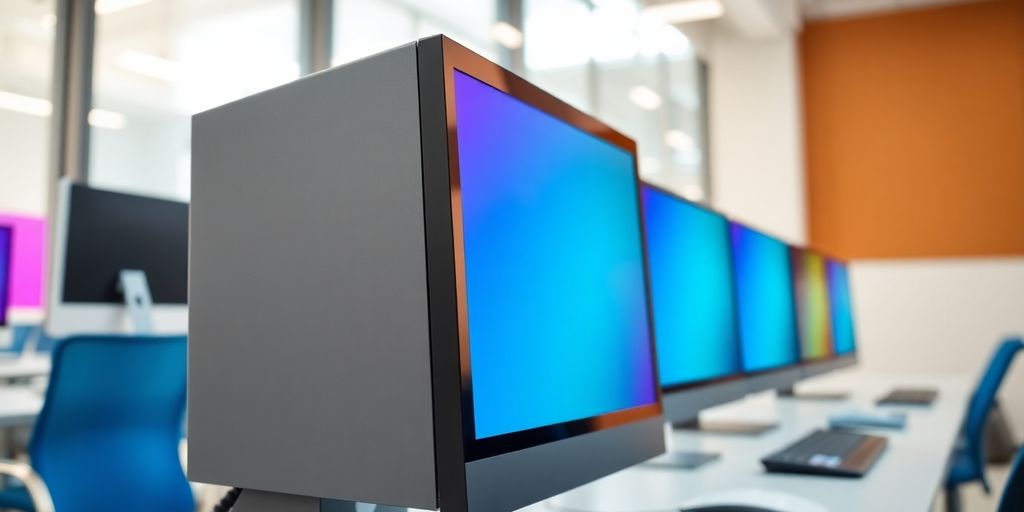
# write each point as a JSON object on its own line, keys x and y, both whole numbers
{"x": 644, "y": 97}
{"x": 43, "y": 108}
{"x": 684, "y": 11}
{"x": 107, "y": 119}
{"x": 679, "y": 141}
{"x": 507, "y": 35}
{"x": 25, "y": 104}
{"x": 149, "y": 65}
{"x": 112, "y": 6}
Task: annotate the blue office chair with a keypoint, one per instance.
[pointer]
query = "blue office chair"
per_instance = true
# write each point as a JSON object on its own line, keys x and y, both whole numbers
{"x": 1013, "y": 493}
{"x": 968, "y": 459}
{"x": 107, "y": 436}
{"x": 24, "y": 335}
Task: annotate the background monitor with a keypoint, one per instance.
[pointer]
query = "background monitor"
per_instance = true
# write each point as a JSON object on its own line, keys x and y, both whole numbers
{"x": 813, "y": 307}
{"x": 844, "y": 332}
{"x": 6, "y": 243}
{"x": 692, "y": 293}
{"x": 99, "y": 233}
{"x": 767, "y": 314}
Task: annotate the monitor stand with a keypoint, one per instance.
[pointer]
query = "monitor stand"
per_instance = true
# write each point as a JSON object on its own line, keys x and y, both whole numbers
{"x": 738, "y": 428}
{"x": 135, "y": 288}
{"x": 790, "y": 393}
{"x": 683, "y": 460}
{"x": 261, "y": 501}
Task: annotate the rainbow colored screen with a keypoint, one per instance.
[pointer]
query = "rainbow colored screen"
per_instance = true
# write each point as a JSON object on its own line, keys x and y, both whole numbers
{"x": 842, "y": 308}
{"x": 691, "y": 290}
{"x": 814, "y": 312}
{"x": 5, "y": 271}
{"x": 764, "y": 293}
{"x": 554, "y": 267}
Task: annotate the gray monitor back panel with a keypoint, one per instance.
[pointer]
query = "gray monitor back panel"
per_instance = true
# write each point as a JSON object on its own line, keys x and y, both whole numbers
{"x": 305, "y": 381}
{"x": 686, "y": 404}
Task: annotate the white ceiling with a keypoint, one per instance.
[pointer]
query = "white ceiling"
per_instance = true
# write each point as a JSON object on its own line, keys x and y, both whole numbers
{"x": 825, "y": 9}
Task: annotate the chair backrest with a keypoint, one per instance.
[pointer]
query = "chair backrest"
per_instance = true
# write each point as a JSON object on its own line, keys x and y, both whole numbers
{"x": 107, "y": 436}
{"x": 983, "y": 399}
{"x": 1013, "y": 493}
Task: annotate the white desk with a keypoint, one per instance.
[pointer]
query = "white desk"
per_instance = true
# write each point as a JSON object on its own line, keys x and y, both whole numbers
{"x": 906, "y": 477}
{"x": 19, "y": 406}
{"x": 24, "y": 367}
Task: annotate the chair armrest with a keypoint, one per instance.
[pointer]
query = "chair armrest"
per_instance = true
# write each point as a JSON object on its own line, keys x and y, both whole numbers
{"x": 37, "y": 490}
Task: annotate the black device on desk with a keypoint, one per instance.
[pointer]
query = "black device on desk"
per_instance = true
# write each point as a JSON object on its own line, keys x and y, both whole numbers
{"x": 909, "y": 396}
{"x": 828, "y": 453}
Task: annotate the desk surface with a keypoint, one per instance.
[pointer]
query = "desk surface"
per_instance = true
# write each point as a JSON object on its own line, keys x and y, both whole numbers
{"x": 906, "y": 477}
{"x": 19, "y": 406}
{"x": 24, "y": 367}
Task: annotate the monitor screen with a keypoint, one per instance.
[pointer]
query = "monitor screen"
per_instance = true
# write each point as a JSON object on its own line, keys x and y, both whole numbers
{"x": 555, "y": 291}
{"x": 691, "y": 290}
{"x": 764, "y": 294}
{"x": 842, "y": 307}
{"x": 814, "y": 313}
{"x": 6, "y": 239}
{"x": 109, "y": 231}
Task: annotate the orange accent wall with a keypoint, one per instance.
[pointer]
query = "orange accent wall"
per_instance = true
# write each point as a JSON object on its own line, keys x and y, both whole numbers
{"x": 914, "y": 132}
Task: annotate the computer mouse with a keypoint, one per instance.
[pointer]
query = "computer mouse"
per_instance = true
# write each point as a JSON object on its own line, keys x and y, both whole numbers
{"x": 751, "y": 500}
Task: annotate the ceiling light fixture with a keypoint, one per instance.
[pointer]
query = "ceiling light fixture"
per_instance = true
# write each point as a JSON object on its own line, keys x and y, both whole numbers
{"x": 506, "y": 35}
{"x": 149, "y": 65}
{"x": 43, "y": 108}
{"x": 679, "y": 141}
{"x": 645, "y": 97}
{"x": 106, "y": 119}
{"x": 685, "y": 11}
{"x": 112, "y": 6}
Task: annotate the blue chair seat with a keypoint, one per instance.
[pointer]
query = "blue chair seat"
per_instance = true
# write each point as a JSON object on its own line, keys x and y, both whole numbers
{"x": 16, "y": 497}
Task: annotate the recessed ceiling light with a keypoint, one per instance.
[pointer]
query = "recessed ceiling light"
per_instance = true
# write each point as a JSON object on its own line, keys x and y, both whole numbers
{"x": 106, "y": 119}
{"x": 645, "y": 97}
{"x": 25, "y": 104}
{"x": 684, "y": 11}
{"x": 679, "y": 141}
{"x": 149, "y": 65}
{"x": 112, "y": 6}
{"x": 506, "y": 35}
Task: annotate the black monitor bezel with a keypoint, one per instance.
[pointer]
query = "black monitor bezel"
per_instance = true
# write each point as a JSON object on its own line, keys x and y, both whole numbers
{"x": 456, "y": 57}
{"x": 740, "y": 374}
{"x": 792, "y": 298}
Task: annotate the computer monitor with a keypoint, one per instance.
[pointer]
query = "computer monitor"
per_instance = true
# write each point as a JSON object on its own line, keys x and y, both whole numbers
{"x": 99, "y": 233}
{"x": 767, "y": 313}
{"x": 6, "y": 245}
{"x": 451, "y": 285}
{"x": 843, "y": 318}
{"x": 692, "y": 291}
{"x": 814, "y": 310}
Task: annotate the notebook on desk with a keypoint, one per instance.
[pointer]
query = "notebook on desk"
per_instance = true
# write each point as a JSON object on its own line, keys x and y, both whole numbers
{"x": 909, "y": 396}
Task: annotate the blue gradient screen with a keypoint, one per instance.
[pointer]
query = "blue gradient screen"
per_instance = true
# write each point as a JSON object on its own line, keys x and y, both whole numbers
{"x": 692, "y": 290}
{"x": 842, "y": 308}
{"x": 764, "y": 291}
{"x": 5, "y": 271}
{"x": 554, "y": 268}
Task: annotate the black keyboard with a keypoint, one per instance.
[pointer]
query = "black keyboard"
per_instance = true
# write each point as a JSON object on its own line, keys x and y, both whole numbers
{"x": 829, "y": 453}
{"x": 909, "y": 396}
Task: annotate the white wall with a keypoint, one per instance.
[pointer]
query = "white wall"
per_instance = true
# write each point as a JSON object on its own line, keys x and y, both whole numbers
{"x": 941, "y": 316}
{"x": 23, "y": 163}
{"x": 757, "y": 172}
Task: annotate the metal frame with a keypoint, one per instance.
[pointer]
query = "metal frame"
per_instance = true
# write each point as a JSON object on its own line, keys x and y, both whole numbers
{"x": 74, "y": 43}
{"x": 316, "y": 35}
